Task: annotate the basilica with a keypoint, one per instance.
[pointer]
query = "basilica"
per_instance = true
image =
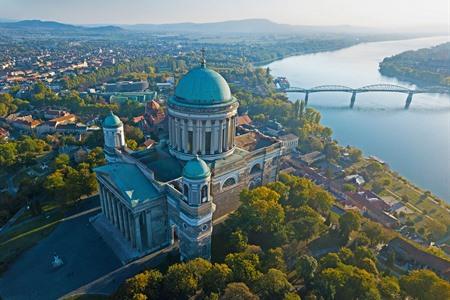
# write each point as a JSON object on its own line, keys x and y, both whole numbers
{"x": 174, "y": 191}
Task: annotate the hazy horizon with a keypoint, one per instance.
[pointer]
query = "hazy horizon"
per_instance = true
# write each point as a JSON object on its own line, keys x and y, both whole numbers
{"x": 380, "y": 14}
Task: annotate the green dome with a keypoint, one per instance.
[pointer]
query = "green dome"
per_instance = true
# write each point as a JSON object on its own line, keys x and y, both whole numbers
{"x": 112, "y": 121}
{"x": 196, "y": 168}
{"x": 203, "y": 86}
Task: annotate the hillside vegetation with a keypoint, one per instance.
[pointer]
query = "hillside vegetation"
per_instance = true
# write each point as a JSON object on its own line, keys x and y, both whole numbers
{"x": 424, "y": 67}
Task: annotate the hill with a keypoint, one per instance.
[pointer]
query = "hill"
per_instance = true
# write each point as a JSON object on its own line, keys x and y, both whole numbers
{"x": 52, "y": 27}
{"x": 424, "y": 67}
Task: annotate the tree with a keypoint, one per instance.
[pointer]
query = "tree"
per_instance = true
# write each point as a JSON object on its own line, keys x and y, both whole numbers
{"x": 291, "y": 296}
{"x": 306, "y": 267}
{"x": 350, "y": 221}
{"x": 331, "y": 260}
{"x": 147, "y": 283}
{"x": 346, "y": 256}
{"x": 8, "y": 154}
{"x": 244, "y": 267}
{"x": 347, "y": 282}
{"x": 374, "y": 232}
{"x": 368, "y": 265}
{"x": 425, "y": 285}
{"x": 134, "y": 133}
{"x": 261, "y": 213}
{"x": 389, "y": 288}
{"x": 62, "y": 160}
{"x": 199, "y": 267}
{"x": 216, "y": 278}
{"x": 180, "y": 282}
{"x": 238, "y": 291}
{"x": 273, "y": 285}
{"x": 281, "y": 189}
{"x": 348, "y": 187}
{"x": 238, "y": 241}
{"x": 306, "y": 223}
{"x": 273, "y": 258}
{"x": 132, "y": 144}
{"x": 321, "y": 201}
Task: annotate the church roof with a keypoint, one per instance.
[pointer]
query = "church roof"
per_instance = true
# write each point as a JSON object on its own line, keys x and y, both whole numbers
{"x": 196, "y": 168}
{"x": 112, "y": 121}
{"x": 129, "y": 181}
{"x": 203, "y": 86}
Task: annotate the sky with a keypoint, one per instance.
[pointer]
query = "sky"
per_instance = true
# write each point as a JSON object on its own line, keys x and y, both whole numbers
{"x": 369, "y": 13}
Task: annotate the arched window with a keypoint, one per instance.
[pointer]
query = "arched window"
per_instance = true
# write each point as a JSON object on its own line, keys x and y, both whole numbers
{"x": 186, "y": 191}
{"x": 229, "y": 182}
{"x": 255, "y": 169}
{"x": 204, "y": 193}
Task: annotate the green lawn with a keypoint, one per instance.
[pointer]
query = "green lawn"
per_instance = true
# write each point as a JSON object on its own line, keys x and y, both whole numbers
{"x": 27, "y": 233}
{"x": 433, "y": 214}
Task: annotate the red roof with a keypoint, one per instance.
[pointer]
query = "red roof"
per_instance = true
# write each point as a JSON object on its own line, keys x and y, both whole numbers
{"x": 137, "y": 119}
{"x": 244, "y": 120}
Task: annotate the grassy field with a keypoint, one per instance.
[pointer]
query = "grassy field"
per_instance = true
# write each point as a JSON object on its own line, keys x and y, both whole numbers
{"x": 27, "y": 231}
{"x": 431, "y": 213}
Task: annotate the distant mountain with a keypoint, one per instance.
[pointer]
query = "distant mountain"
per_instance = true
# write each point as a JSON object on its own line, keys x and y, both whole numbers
{"x": 56, "y": 27}
{"x": 244, "y": 26}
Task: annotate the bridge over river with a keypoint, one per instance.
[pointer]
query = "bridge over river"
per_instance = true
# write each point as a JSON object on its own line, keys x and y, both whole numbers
{"x": 389, "y": 88}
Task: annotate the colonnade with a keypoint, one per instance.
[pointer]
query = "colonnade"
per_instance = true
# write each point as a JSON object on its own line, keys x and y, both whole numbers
{"x": 204, "y": 137}
{"x": 123, "y": 219}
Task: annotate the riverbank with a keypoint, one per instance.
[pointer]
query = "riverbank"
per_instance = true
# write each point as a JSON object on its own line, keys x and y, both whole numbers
{"x": 424, "y": 67}
{"x": 414, "y": 143}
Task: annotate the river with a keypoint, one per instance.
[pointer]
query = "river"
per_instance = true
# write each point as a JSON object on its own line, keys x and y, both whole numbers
{"x": 414, "y": 142}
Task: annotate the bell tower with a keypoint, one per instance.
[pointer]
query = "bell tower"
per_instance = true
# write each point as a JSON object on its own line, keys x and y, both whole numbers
{"x": 114, "y": 136}
{"x": 196, "y": 210}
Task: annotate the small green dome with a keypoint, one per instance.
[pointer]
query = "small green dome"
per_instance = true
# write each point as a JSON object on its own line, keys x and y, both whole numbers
{"x": 203, "y": 86}
{"x": 112, "y": 121}
{"x": 196, "y": 168}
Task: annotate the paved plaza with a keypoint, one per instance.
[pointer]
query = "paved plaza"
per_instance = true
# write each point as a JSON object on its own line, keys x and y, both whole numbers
{"x": 85, "y": 255}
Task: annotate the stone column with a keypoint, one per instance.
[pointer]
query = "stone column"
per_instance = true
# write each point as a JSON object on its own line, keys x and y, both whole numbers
{"x": 131, "y": 228}
{"x": 125, "y": 222}
{"x": 190, "y": 127}
{"x": 137, "y": 229}
{"x": 121, "y": 222}
{"x": 177, "y": 133}
{"x": 220, "y": 136}
{"x": 115, "y": 214}
{"x": 169, "y": 124}
{"x": 213, "y": 136}
{"x": 185, "y": 136}
{"x": 148, "y": 221}
{"x": 102, "y": 200}
{"x": 110, "y": 211}
{"x": 226, "y": 133}
{"x": 232, "y": 131}
{"x": 203, "y": 135}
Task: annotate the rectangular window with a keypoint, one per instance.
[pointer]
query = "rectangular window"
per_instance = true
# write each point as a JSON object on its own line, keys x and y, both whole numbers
{"x": 208, "y": 142}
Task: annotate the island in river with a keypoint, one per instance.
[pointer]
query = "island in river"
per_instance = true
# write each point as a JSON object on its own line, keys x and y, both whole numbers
{"x": 423, "y": 67}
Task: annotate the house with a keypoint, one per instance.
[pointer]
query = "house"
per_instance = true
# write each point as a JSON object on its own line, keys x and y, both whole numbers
{"x": 25, "y": 123}
{"x": 411, "y": 257}
{"x": 289, "y": 142}
{"x": 149, "y": 143}
{"x": 312, "y": 157}
{"x": 355, "y": 178}
{"x": 372, "y": 206}
{"x": 243, "y": 120}
{"x": 4, "y": 134}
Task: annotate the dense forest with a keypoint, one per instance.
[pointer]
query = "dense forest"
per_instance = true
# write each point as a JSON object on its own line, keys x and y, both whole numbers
{"x": 262, "y": 252}
{"x": 424, "y": 67}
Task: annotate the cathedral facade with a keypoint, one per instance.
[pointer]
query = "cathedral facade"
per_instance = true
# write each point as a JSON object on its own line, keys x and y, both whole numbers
{"x": 174, "y": 191}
